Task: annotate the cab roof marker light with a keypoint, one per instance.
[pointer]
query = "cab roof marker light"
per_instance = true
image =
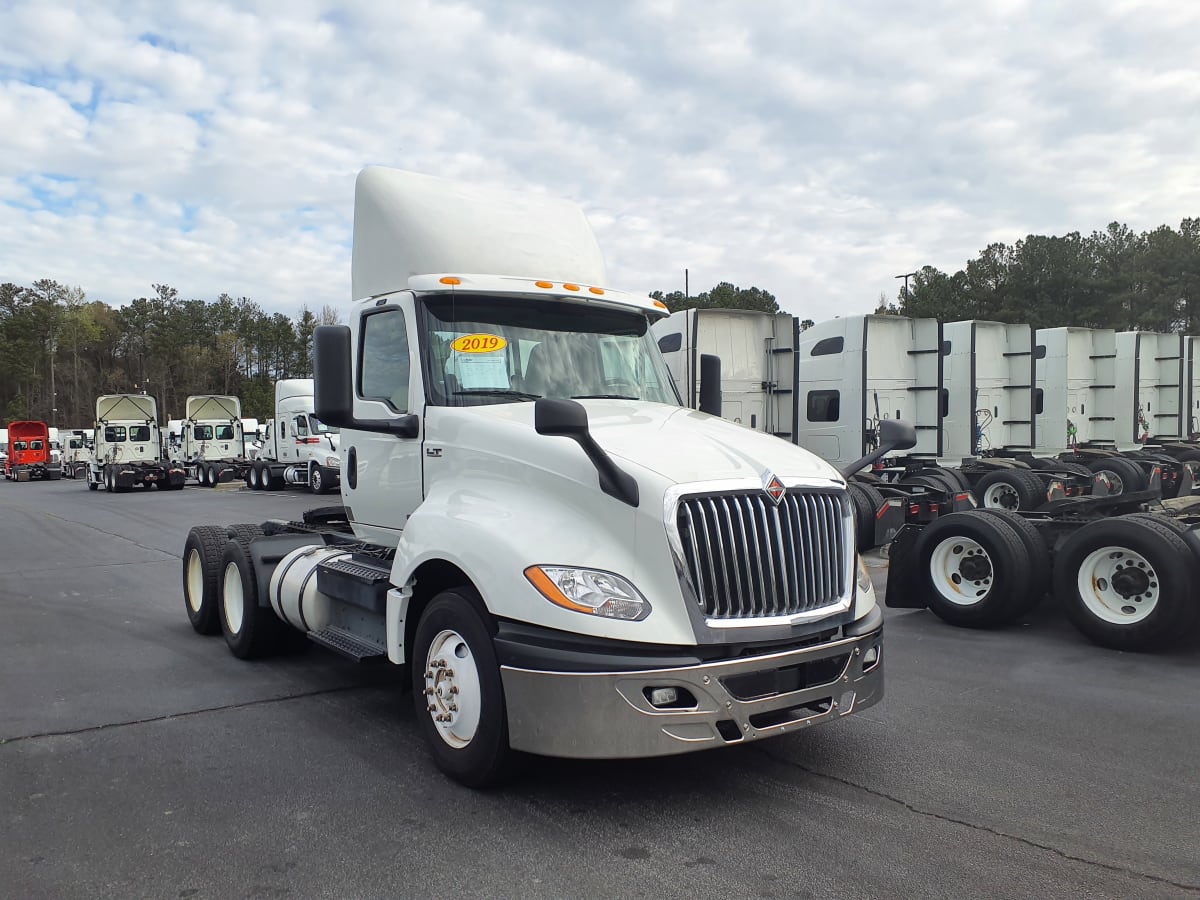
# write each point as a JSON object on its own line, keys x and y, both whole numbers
{"x": 597, "y": 291}
{"x": 450, "y": 279}
{"x": 544, "y": 284}
{"x": 661, "y": 305}
{"x": 570, "y": 287}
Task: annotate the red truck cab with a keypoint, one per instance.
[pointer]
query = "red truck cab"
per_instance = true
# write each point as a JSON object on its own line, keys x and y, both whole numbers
{"x": 29, "y": 453}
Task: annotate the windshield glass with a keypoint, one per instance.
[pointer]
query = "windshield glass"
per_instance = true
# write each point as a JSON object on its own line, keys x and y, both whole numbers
{"x": 316, "y": 426}
{"x": 500, "y": 350}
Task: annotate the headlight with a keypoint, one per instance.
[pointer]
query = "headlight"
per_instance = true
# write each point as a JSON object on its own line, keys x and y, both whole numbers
{"x": 589, "y": 591}
{"x": 864, "y": 577}
{"x": 333, "y": 462}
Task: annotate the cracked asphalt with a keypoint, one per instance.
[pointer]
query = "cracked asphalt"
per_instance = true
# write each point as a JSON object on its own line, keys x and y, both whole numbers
{"x": 138, "y": 759}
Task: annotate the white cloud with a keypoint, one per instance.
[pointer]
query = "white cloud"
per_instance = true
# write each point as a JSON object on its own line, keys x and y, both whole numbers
{"x": 814, "y": 151}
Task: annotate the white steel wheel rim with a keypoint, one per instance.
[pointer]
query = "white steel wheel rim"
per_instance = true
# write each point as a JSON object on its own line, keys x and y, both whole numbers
{"x": 1001, "y": 495}
{"x": 253, "y": 477}
{"x": 961, "y": 571}
{"x": 1116, "y": 485}
{"x": 315, "y": 479}
{"x": 232, "y": 598}
{"x": 1130, "y": 598}
{"x": 195, "y": 580}
{"x": 453, "y": 693}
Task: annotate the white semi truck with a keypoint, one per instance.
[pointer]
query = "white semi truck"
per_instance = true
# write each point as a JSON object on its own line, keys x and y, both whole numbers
{"x": 128, "y": 447}
{"x": 568, "y": 561}
{"x": 213, "y": 446}
{"x": 297, "y": 447}
{"x": 76, "y": 453}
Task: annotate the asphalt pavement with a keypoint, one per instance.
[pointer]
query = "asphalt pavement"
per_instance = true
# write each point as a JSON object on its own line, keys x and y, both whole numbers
{"x": 138, "y": 759}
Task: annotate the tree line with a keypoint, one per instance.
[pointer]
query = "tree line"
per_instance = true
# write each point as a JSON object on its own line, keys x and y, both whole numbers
{"x": 1109, "y": 279}
{"x": 62, "y": 350}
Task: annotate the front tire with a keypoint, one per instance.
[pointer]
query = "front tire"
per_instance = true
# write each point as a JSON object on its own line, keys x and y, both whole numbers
{"x": 316, "y": 480}
{"x": 457, "y": 690}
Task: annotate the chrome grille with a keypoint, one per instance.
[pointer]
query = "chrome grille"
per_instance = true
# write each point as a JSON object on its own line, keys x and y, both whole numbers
{"x": 748, "y": 558}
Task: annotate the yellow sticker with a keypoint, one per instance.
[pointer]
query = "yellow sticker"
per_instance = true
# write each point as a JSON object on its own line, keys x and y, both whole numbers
{"x": 479, "y": 343}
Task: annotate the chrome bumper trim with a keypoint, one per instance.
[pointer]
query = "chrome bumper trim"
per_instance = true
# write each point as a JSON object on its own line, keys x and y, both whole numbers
{"x": 606, "y": 715}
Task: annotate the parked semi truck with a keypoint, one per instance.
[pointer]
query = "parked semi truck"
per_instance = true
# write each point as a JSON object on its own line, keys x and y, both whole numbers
{"x": 29, "y": 456}
{"x": 212, "y": 446}
{"x": 76, "y": 453}
{"x": 128, "y": 447}
{"x": 297, "y": 447}
{"x": 567, "y": 560}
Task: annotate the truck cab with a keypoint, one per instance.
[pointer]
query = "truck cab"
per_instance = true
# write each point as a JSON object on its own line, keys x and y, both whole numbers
{"x": 213, "y": 444}
{"x": 29, "y": 456}
{"x": 297, "y": 447}
{"x": 568, "y": 560}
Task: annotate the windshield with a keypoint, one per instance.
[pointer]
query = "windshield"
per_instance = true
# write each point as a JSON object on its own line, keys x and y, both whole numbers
{"x": 500, "y": 350}
{"x": 316, "y": 426}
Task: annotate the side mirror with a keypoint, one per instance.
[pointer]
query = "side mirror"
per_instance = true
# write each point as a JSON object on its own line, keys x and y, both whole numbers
{"x": 568, "y": 418}
{"x": 332, "y": 375}
{"x": 564, "y": 418}
{"x": 894, "y": 434}
{"x": 897, "y": 434}
{"x": 710, "y": 384}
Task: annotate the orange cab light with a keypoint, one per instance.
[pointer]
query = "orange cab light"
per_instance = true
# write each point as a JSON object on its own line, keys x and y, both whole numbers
{"x": 571, "y": 287}
{"x": 596, "y": 290}
{"x": 544, "y": 284}
{"x": 450, "y": 279}
{"x": 661, "y": 305}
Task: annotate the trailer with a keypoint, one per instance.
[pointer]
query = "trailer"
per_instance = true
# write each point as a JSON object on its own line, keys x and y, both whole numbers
{"x": 28, "y": 457}
{"x": 1101, "y": 392}
{"x": 128, "y": 447}
{"x": 297, "y": 448}
{"x": 213, "y": 446}
{"x": 519, "y": 528}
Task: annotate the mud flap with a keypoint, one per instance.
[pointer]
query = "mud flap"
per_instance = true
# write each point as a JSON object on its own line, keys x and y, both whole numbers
{"x": 903, "y": 570}
{"x": 889, "y": 520}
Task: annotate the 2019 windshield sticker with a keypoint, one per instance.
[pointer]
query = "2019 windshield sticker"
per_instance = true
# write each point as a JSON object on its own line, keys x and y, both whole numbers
{"x": 478, "y": 343}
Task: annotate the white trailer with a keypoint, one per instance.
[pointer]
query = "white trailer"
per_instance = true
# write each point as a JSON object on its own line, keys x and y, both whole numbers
{"x": 532, "y": 522}
{"x": 128, "y": 448}
{"x": 297, "y": 448}
{"x": 213, "y": 447}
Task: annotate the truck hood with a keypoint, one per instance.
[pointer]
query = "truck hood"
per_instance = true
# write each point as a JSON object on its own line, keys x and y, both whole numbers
{"x": 683, "y": 445}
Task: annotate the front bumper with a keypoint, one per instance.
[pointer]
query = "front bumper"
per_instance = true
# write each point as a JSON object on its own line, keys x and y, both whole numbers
{"x": 606, "y": 715}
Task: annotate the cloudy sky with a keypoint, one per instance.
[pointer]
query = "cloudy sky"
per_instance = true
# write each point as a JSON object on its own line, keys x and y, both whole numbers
{"x": 812, "y": 149}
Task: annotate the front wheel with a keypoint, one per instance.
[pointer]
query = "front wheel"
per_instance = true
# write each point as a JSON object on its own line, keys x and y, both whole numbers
{"x": 457, "y": 690}
{"x": 316, "y": 480}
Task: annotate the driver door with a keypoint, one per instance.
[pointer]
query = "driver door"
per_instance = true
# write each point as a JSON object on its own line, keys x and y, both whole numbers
{"x": 382, "y": 473}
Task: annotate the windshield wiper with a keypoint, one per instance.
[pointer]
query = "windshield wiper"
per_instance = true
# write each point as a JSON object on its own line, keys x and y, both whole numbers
{"x": 497, "y": 392}
{"x": 604, "y": 397}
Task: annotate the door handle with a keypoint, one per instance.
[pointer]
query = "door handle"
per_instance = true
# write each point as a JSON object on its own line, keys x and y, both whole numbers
{"x": 352, "y": 468}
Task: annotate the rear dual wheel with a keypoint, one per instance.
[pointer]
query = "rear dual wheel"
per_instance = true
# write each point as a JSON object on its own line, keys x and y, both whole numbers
{"x": 1124, "y": 476}
{"x": 1010, "y": 489}
{"x": 1129, "y": 582}
{"x": 975, "y": 569}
